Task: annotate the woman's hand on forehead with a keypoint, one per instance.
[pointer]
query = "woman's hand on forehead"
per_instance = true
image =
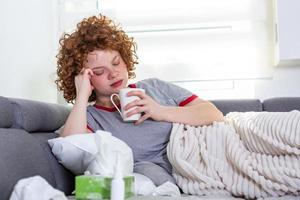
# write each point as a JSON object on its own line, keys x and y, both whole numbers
{"x": 83, "y": 84}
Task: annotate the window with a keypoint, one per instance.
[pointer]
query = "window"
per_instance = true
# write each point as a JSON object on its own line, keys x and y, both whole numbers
{"x": 198, "y": 39}
{"x": 209, "y": 44}
{"x": 70, "y": 12}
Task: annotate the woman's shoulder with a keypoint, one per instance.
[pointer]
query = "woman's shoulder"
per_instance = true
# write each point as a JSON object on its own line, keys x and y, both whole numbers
{"x": 150, "y": 82}
{"x": 93, "y": 108}
{"x": 90, "y": 108}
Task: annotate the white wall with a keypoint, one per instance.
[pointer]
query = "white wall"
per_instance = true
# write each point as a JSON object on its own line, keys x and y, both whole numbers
{"x": 28, "y": 45}
{"x": 285, "y": 82}
{"x": 288, "y": 29}
{"x": 27, "y": 50}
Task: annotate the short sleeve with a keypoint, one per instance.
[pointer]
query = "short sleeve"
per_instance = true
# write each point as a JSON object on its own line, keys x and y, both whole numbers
{"x": 179, "y": 95}
{"x": 92, "y": 124}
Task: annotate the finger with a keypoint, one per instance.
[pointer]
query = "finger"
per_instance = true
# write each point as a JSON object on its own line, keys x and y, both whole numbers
{"x": 82, "y": 70}
{"x": 142, "y": 119}
{"x": 90, "y": 73}
{"x": 137, "y": 93}
{"x": 135, "y": 111}
{"x": 87, "y": 71}
{"x": 134, "y": 103}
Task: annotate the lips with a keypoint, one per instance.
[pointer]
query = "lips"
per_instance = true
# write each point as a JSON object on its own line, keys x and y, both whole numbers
{"x": 117, "y": 84}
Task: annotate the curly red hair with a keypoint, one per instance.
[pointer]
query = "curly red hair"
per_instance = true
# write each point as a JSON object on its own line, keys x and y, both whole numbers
{"x": 96, "y": 32}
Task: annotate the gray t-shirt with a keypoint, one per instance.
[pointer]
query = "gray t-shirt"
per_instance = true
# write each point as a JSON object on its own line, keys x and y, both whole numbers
{"x": 148, "y": 140}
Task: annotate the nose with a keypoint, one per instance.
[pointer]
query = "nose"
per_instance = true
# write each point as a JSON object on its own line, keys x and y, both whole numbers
{"x": 113, "y": 73}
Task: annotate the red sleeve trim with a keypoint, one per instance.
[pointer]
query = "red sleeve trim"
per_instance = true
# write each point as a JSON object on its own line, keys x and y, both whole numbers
{"x": 88, "y": 127}
{"x": 109, "y": 109}
{"x": 132, "y": 85}
{"x": 188, "y": 100}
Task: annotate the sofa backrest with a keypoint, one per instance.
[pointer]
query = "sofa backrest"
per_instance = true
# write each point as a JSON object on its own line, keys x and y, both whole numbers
{"x": 277, "y": 104}
{"x": 238, "y": 105}
{"x": 35, "y": 116}
{"x": 6, "y": 113}
{"x": 281, "y": 104}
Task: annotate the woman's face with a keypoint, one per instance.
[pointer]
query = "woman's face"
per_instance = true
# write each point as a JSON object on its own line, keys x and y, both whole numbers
{"x": 110, "y": 72}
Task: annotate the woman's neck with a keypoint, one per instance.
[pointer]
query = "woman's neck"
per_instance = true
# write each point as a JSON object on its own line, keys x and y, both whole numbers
{"x": 106, "y": 102}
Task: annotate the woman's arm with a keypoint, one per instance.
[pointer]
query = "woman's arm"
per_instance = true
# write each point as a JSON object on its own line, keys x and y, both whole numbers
{"x": 197, "y": 112}
{"x": 77, "y": 120}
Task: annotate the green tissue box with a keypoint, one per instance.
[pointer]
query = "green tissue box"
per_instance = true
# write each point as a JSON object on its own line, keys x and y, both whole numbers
{"x": 98, "y": 187}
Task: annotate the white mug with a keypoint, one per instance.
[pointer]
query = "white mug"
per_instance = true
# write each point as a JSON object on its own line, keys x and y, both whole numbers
{"x": 124, "y": 100}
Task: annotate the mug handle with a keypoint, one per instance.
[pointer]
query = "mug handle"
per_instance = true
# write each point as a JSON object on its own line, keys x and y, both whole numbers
{"x": 112, "y": 100}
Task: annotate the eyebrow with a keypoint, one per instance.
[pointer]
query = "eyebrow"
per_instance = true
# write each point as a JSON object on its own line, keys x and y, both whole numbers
{"x": 115, "y": 57}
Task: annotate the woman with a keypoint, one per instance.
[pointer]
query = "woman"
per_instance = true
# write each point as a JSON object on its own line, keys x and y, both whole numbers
{"x": 96, "y": 61}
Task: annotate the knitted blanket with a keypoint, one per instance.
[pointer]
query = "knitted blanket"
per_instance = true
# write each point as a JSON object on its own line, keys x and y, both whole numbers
{"x": 251, "y": 154}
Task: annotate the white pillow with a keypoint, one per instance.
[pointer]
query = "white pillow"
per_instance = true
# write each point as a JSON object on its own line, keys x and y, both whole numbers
{"x": 95, "y": 153}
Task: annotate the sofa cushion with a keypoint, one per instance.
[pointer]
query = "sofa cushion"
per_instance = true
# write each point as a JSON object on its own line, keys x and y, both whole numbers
{"x": 35, "y": 116}
{"x": 243, "y": 105}
{"x": 156, "y": 173}
{"x": 64, "y": 178}
{"x": 21, "y": 157}
{"x": 281, "y": 104}
{"x": 6, "y": 113}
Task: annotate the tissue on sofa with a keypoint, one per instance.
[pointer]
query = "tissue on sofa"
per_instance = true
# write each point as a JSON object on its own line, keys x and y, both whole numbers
{"x": 95, "y": 153}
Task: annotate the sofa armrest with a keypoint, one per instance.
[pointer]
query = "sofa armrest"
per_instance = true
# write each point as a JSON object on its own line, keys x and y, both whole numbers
{"x": 34, "y": 116}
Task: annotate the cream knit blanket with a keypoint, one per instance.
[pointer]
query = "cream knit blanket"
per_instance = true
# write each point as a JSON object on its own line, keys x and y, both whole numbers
{"x": 251, "y": 154}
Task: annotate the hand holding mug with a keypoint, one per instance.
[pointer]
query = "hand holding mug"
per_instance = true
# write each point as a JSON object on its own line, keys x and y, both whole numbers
{"x": 124, "y": 100}
{"x": 146, "y": 105}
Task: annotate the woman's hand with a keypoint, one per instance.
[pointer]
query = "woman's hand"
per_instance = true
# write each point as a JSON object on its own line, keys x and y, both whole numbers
{"x": 145, "y": 105}
{"x": 83, "y": 84}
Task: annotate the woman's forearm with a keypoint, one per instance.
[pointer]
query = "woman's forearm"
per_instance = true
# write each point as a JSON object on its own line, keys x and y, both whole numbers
{"x": 77, "y": 120}
{"x": 204, "y": 113}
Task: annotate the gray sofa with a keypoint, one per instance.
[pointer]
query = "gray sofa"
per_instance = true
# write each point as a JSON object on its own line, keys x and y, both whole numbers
{"x": 26, "y": 125}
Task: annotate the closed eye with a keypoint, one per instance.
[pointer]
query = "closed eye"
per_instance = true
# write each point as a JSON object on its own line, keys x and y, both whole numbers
{"x": 116, "y": 63}
{"x": 98, "y": 72}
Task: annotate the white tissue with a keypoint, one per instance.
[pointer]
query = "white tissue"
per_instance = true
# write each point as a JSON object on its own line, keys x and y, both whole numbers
{"x": 143, "y": 185}
{"x": 36, "y": 188}
{"x": 167, "y": 189}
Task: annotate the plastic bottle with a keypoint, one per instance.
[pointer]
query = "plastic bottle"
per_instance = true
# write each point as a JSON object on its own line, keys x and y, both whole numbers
{"x": 117, "y": 190}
